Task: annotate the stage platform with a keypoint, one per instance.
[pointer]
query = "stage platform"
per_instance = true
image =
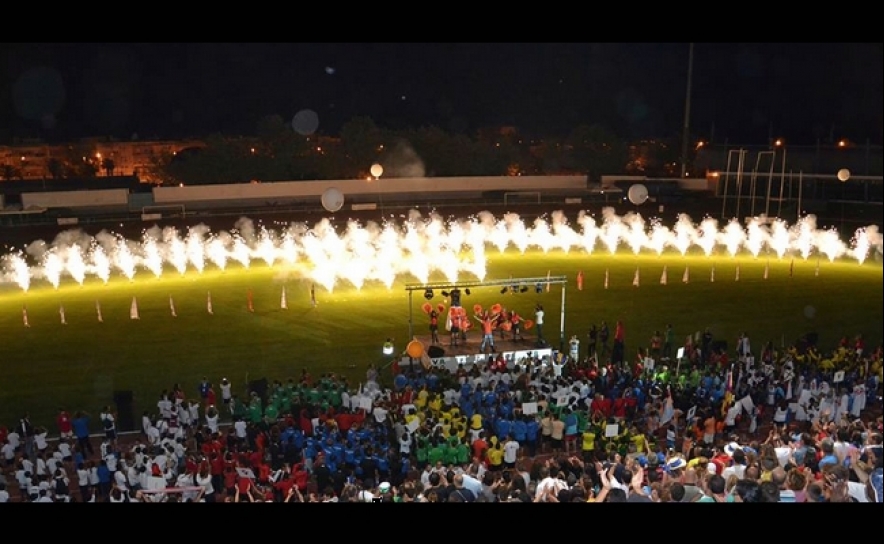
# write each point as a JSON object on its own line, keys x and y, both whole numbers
{"x": 467, "y": 353}
{"x": 471, "y": 345}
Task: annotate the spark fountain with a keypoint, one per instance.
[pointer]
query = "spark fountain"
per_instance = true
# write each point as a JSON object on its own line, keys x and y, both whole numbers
{"x": 416, "y": 247}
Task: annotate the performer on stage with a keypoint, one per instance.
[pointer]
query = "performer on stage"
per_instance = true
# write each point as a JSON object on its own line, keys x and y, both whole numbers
{"x": 488, "y": 321}
{"x": 434, "y": 326}
{"x": 516, "y": 321}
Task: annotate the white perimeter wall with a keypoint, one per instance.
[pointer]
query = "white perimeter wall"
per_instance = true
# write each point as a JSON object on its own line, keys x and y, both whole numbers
{"x": 76, "y": 199}
{"x": 307, "y": 190}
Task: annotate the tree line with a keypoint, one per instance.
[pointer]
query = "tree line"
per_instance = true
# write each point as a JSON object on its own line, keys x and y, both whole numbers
{"x": 279, "y": 153}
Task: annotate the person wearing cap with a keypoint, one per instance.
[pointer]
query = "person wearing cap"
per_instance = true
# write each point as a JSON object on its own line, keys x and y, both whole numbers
{"x": 675, "y": 466}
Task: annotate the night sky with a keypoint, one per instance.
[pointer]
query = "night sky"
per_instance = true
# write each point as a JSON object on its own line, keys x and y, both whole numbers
{"x": 742, "y": 93}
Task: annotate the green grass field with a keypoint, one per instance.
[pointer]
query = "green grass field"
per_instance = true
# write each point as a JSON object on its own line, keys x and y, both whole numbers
{"x": 79, "y": 365}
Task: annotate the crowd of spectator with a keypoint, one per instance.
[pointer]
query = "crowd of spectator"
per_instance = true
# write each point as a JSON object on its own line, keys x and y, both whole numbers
{"x": 712, "y": 426}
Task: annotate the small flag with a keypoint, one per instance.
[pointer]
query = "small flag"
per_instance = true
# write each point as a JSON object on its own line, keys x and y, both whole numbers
{"x": 133, "y": 310}
{"x": 209, "y": 303}
{"x": 24, "y": 316}
{"x": 606, "y": 278}
{"x": 61, "y": 314}
{"x": 635, "y": 278}
{"x": 766, "y": 269}
{"x": 282, "y": 301}
{"x": 712, "y": 275}
{"x": 98, "y": 312}
{"x": 580, "y": 281}
{"x": 249, "y": 300}
{"x": 737, "y": 276}
{"x": 791, "y": 267}
{"x": 548, "y": 274}
{"x": 172, "y": 307}
{"x": 664, "y": 276}
{"x": 687, "y": 275}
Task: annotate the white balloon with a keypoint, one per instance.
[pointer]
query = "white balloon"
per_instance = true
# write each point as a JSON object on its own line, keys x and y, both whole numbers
{"x": 377, "y": 170}
{"x": 843, "y": 175}
{"x": 332, "y": 199}
{"x": 305, "y": 122}
{"x": 637, "y": 194}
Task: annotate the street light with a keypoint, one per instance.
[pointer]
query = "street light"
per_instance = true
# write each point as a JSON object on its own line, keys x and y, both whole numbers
{"x": 778, "y": 143}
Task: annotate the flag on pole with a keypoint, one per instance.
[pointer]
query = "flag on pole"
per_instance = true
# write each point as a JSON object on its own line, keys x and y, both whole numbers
{"x": 282, "y": 301}
{"x": 791, "y": 267}
{"x": 61, "y": 314}
{"x": 209, "y": 303}
{"x": 606, "y": 278}
{"x": 172, "y": 307}
{"x": 687, "y": 275}
{"x": 98, "y": 312}
{"x": 712, "y": 275}
{"x": 24, "y": 316}
{"x": 737, "y": 276}
{"x": 663, "y": 276}
{"x": 133, "y": 310}
{"x": 548, "y": 274}
{"x": 766, "y": 268}
{"x": 635, "y": 280}
{"x": 250, "y": 303}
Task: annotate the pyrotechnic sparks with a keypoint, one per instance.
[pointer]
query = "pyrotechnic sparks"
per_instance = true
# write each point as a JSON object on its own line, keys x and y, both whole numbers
{"x": 416, "y": 247}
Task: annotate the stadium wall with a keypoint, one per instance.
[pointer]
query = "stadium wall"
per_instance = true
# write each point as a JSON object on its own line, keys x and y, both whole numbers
{"x": 356, "y": 190}
{"x": 101, "y": 198}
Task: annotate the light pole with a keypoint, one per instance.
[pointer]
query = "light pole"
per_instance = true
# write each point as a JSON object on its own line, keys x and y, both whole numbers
{"x": 687, "y": 114}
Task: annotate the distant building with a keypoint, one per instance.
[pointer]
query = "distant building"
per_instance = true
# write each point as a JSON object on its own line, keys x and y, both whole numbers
{"x": 32, "y": 160}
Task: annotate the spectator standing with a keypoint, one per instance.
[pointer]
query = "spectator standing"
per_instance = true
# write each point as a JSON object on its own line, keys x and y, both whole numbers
{"x": 80, "y": 425}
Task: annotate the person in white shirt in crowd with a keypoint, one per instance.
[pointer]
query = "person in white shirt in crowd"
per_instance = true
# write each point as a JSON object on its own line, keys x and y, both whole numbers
{"x": 194, "y": 408}
{"x": 40, "y": 439}
{"x": 4, "y": 493}
{"x": 212, "y": 417}
{"x": 380, "y": 414}
{"x": 14, "y": 438}
{"x": 510, "y": 452}
{"x": 63, "y": 450}
{"x": 7, "y": 454}
{"x": 133, "y": 477}
{"x": 226, "y": 392}
{"x": 83, "y": 482}
{"x": 120, "y": 475}
{"x": 425, "y": 476}
{"x": 240, "y": 430}
{"x": 184, "y": 421}
{"x": 41, "y": 467}
{"x": 405, "y": 441}
{"x": 548, "y": 484}
{"x": 164, "y": 406}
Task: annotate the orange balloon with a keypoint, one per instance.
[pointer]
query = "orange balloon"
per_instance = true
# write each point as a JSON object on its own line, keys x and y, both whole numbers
{"x": 414, "y": 349}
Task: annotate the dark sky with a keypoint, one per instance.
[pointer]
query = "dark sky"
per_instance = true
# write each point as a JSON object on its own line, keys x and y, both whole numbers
{"x": 744, "y": 93}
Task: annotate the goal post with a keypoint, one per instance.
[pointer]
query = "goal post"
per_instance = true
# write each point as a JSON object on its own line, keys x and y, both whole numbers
{"x": 159, "y": 211}
{"x": 521, "y": 197}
